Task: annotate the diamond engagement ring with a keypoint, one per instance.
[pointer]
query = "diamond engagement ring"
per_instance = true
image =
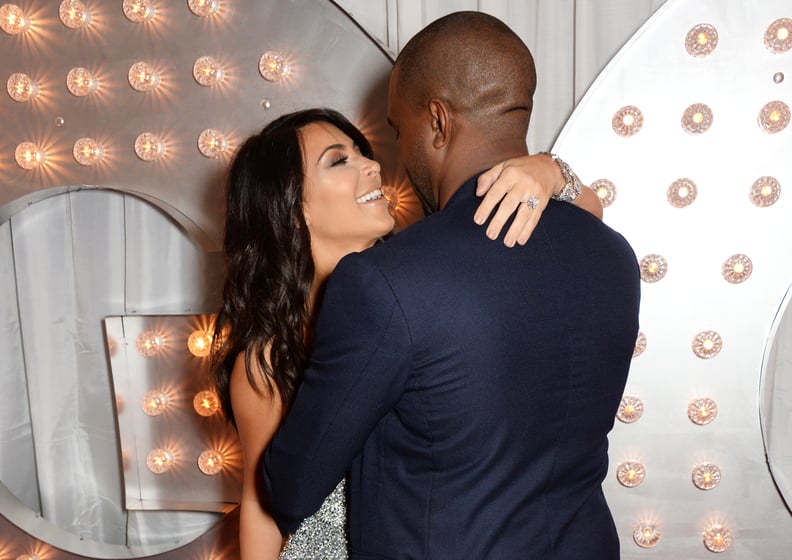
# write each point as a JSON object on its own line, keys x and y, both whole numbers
{"x": 532, "y": 202}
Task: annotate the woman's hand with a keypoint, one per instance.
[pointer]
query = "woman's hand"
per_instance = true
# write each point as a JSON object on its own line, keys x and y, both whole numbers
{"x": 521, "y": 187}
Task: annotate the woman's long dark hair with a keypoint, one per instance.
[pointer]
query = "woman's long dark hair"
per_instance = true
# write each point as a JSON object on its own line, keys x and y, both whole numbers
{"x": 269, "y": 267}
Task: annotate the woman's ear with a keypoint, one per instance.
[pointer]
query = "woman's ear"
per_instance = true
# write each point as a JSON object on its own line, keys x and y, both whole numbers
{"x": 440, "y": 113}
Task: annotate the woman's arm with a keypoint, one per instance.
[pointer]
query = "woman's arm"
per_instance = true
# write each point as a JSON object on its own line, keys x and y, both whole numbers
{"x": 512, "y": 182}
{"x": 257, "y": 419}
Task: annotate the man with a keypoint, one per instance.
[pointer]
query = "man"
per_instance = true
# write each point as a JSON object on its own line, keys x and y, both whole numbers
{"x": 471, "y": 387}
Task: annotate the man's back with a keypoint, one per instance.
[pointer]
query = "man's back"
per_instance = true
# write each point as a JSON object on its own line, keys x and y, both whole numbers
{"x": 519, "y": 361}
{"x": 487, "y": 379}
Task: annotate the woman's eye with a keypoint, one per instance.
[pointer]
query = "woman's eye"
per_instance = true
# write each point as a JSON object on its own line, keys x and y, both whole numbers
{"x": 339, "y": 161}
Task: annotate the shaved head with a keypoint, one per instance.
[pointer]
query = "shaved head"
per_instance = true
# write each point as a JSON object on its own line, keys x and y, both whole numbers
{"x": 475, "y": 63}
{"x": 460, "y": 100}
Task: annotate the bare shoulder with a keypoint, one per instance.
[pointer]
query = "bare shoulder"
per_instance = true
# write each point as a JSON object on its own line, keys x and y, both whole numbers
{"x": 257, "y": 413}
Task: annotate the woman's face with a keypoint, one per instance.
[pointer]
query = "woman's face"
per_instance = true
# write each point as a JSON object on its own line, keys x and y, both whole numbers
{"x": 342, "y": 202}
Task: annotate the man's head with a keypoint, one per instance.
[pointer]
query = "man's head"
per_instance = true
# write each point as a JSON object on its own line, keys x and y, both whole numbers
{"x": 460, "y": 100}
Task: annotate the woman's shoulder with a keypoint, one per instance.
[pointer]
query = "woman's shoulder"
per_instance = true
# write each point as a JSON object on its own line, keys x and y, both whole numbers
{"x": 252, "y": 397}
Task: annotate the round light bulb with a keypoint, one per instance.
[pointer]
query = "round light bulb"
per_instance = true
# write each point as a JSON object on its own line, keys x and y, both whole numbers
{"x": 21, "y": 88}
{"x": 149, "y": 343}
{"x": 212, "y": 143}
{"x": 87, "y": 151}
{"x": 199, "y": 343}
{"x": 646, "y": 535}
{"x": 81, "y": 82}
{"x": 154, "y": 403}
{"x": 706, "y": 476}
{"x": 211, "y": 462}
{"x": 149, "y": 147}
{"x": 206, "y": 403}
{"x": 13, "y": 20}
{"x": 143, "y": 77}
{"x": 138, "y": 11}
{"x": 630, "y": 474}
{"x": 203, "y": 8}
{"x": 73, "y": 14}
{"x": 273, "y": 66}
{"x": 159, "y": 461}
{"x": 717, "y": 538}
{"x": 630, "y": 409}
{"x": 29, "y": 156}
{"x": 207, "y": 71}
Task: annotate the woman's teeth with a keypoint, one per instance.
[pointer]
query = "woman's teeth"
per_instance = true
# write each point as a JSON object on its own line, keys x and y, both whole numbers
{"x": 373, "y": 195}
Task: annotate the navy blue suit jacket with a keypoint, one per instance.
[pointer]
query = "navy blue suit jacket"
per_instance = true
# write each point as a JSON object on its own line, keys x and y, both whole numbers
{"x": 467, "y": 390}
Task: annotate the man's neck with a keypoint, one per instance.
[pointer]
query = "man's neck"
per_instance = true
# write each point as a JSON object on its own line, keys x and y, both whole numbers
{"x": 473, "y": 161}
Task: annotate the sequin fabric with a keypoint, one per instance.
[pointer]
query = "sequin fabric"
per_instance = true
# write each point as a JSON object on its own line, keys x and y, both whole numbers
{"x": 323, "y": 536}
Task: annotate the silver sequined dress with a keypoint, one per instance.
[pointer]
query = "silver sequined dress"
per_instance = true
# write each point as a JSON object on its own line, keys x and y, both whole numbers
{"x": 323, "y": 536}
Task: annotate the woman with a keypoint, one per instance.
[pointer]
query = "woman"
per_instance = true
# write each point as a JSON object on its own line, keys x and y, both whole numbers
{"x": 302, "y": 194}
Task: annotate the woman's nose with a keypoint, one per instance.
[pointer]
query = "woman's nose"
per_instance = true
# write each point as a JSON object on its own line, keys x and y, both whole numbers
{"x": 372, "y": 167}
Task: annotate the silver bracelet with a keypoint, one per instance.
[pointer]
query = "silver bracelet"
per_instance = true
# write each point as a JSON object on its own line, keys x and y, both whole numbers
{"x": 572, "y": 184}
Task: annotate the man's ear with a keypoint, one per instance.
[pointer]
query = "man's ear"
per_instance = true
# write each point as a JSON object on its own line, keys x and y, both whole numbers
{"x": 442, "y": 124}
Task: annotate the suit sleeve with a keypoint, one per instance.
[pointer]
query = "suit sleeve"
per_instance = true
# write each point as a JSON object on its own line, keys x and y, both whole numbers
{"x": 358, "y": 371}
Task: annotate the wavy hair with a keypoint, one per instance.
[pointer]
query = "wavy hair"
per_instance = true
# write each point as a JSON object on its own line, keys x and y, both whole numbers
{"x": 269, "y": 266}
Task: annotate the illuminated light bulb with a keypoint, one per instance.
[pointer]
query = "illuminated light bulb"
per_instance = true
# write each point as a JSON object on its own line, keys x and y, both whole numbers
{"x": 206, "y": 403}
{"x": 149, "y": 147}
{"x": 212, "y": 144}
{"x": 630, "y": 409}
{"x": 28, "y": 557}
{"x": 702, "y": 411}
{"x": 627, "y": 121}
{"x": 13, "y": 20}
{"x": 203, "y": 8}
{"x": 765, "y": 191}
{"x": 138, "y": 11}
{"x": 605, "y": 190}
{"x": 707, "y": 344}
{"x": 81, "y": 82}
{"x": 717, "y": 538}
{"x": 630, "y": 474}
{"x": 143, "y": 77}
{"x": 199, "y": 343}
{"x": 207, "y": 71}
{"x": 640, "y": 344}
{"x": 73, "y": 14}
{"x": 697, "y": 119}
{"x": 87, "y": 151}
{"x": 706, "y": 476}
{"x": 653, "y": 268}
{"x": 29, "y": 156}
{"x": 211, "y": 462}
{"x": 737, "y": 269}
{"x": 777, "y": 36}
{"x": 646, "y": 535}
{"x": 774, "y": 117}
{"x": 154, "y": 403}
{"x": 149, "y": 343}
{"x": 59, "y": 121}
{"x": 266, "y": 104}
{"x": 681, "y": 193}
{"x": 21, "y": 88}
{"x": 273, "y": 66}
{"x": 701, "y": 40}
{"x": 160, "y": 460}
